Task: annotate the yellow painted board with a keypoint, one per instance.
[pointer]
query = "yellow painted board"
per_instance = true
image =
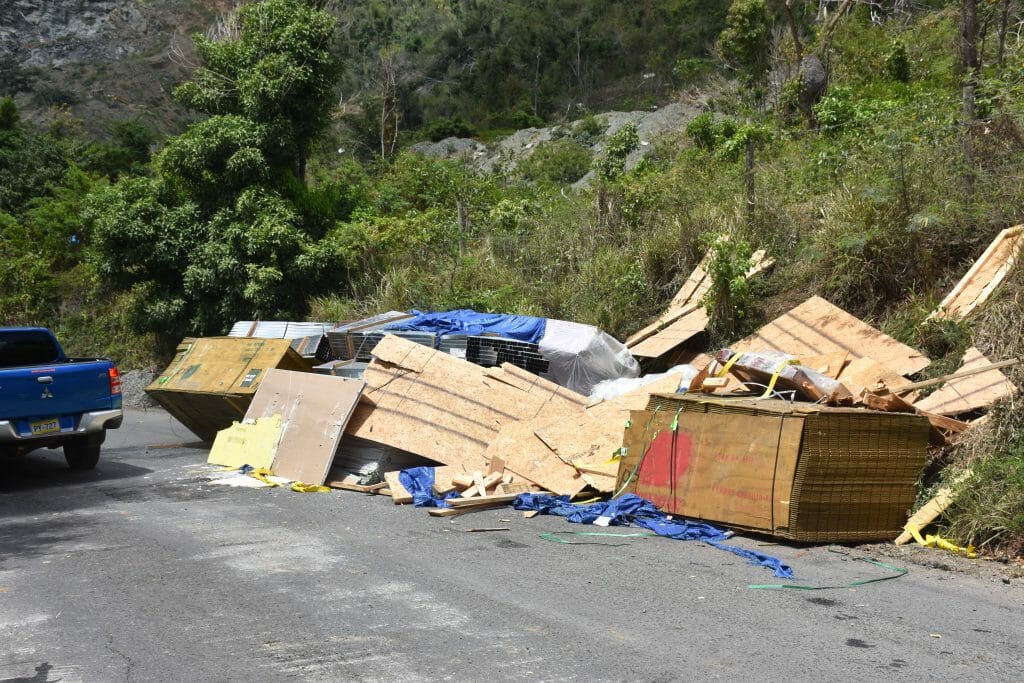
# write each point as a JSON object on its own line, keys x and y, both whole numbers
{"x": 252, "y": 442}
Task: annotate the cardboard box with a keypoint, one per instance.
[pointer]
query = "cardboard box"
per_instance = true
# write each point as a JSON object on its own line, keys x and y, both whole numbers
{"x": 211, "y": 380}
{"x": 798, "y": 471}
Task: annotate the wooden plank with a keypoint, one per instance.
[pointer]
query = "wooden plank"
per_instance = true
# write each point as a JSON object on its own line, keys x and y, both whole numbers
{"x": 314, "y": 410}
{"x": 496, "y": 465}
{"x": 970, "y": 393}
{"x": 817, "y": 327}
{"x": 983, "y": 277}
{"x": 480, "y": 501}
{"x": 443, "y": 408}
{"x": 931, "y": 510}
{"x": 399, "y": 494}
{"x": 788, "y": 451}
{"x": 674, "y": 335}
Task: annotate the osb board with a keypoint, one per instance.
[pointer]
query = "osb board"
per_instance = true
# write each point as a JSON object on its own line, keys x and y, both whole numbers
{"x": 817, "y": 327}
{"x": 984, "y": 276}
{"x": 865, "y": 373}
{"x": 715, "y": 466}
{"x": 441, "y": 407}
{"x": 529, "y": 457}
{"x": 679, "y": 332}
{"x": 830, "y": 364}
{"x": 227, "y": 365}
{"x": 555, "y": 396}
{"x": 314, "y": 410}
{"x": 967, "y": 394}
{"x": 247, "y": 443}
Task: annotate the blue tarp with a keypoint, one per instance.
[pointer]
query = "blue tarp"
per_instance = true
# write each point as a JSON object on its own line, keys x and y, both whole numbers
{"x": 633, "y": 509}
{"x": 419, "y": 481}
{"x": 465, "y": 321}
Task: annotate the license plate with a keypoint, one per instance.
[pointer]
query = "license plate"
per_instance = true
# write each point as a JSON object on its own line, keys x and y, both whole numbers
{"x": 44, "y": 426}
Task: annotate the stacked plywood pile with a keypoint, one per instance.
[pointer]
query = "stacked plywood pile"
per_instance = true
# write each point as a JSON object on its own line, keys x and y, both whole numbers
{"x": 473, "y": 419}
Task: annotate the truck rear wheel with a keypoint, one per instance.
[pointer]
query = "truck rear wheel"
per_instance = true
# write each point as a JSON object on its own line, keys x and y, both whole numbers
{"x": 82, "y": 454}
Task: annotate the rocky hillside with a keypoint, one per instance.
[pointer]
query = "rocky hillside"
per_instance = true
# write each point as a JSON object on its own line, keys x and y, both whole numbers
{"x": 102, "y": 59}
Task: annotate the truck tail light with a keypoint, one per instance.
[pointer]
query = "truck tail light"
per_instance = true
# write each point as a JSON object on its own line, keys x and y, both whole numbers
{"x": 115, "y": 381}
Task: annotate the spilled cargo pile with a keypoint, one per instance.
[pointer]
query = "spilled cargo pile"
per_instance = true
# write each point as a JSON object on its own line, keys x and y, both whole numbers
{"x": 811, "y": 429}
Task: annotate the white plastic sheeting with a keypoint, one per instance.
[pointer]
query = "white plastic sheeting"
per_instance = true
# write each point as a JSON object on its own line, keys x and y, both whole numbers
{"x": 582, "y": 356}
{"x": 613, "y": 388}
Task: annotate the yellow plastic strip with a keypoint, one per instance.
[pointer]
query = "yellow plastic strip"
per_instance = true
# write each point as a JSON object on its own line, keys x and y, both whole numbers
{"x": 299, "y": 487}
{"x": 262, "y": 473}
{"x": 775, "y": 376}
{"x": 931, "y": 541}
{"x": 728, "y": 365}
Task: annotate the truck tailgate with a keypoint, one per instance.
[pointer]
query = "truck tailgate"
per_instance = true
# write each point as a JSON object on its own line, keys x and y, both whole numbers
{"x": 74, "y": 387}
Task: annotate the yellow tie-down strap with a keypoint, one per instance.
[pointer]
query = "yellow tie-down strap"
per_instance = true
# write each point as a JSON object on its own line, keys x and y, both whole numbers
{"x": 932, "y": 541}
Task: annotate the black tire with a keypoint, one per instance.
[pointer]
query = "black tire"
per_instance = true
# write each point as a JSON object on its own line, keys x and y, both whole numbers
{"x": 82, "y": 455}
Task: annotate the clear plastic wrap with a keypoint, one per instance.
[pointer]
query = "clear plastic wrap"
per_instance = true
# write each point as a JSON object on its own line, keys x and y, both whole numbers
{"x": 582, "y": 356}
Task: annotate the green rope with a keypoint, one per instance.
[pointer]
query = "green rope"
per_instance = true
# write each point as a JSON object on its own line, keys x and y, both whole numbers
{"x": 553, "y": 536}
{"x": 900, "y": 571}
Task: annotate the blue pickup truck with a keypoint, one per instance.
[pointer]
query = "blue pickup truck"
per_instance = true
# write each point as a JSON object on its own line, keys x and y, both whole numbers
{"x": 48, "y": 400}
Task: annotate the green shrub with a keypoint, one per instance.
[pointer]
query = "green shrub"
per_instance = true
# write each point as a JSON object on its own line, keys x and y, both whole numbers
{"x": 454, "y": 127}
{"x": 562, "y": 162}
{"x": 897, "y": 62}
{"x": 588, "y": 130}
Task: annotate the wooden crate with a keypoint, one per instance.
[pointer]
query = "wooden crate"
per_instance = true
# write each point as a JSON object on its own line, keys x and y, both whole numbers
{"x": 798, "y": 471}
{"x": 211, "y": 380}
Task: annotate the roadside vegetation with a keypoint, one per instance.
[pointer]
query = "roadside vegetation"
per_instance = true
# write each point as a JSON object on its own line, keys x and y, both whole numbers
{"x": 876, "y": 194}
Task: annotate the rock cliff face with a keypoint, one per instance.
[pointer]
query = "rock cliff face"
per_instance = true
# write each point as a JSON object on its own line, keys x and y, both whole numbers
{"x": 105, "y": 59}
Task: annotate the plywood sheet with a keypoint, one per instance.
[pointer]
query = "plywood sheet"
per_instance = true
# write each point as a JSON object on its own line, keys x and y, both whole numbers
{"x": 817, "y": 327}
{"x": 314, "y": 410}
{"x": 443, "y": 408}
{"x": 865, "y": 373}
{"x": 984, "y": 276}
{"x": 529, "y": 457}
{"x": 830, "y": 364}
{"x": 714, "y": 467}
{"x": 247, "y": 443}
{"x": 967, "y": 394}
{"x": 676, "y": 334}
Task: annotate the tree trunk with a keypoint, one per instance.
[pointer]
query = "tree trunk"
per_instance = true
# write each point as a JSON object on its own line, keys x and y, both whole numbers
{"x": 969, "y": 65}
{"x": 787, "y": 6}
{"x": 1003, "y": 19}
{"x": 748, "y": 178}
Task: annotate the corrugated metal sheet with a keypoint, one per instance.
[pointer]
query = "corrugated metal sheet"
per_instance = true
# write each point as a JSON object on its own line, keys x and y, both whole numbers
{"x": 278, "y": 329}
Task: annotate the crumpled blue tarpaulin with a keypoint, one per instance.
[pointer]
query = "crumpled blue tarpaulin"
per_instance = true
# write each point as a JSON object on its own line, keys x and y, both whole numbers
{"x": 419, "y": 481}
{"x": 631, "y": 508}
{"x": 465, "y": 321}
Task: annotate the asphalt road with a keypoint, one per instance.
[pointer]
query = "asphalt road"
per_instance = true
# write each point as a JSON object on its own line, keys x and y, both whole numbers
{"x": 142, "y": 570}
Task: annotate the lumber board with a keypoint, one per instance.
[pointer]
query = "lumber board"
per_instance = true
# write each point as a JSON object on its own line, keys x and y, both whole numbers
{"x": 931, "y": 510}
{"x": 441, "y": 407}
{"x": 983, "y": 277}
{"x": 973, "y": 392}
{"x": 817, "y": 327}
{"x": 399, "y": 494}
{"x": 480, "y": 501}
{"x": 676, "y": 334}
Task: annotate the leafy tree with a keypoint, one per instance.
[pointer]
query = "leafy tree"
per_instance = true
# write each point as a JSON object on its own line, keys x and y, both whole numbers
{"x": 226, "y": 228}
{"x": 745, "y": 41}
{"x": 279, "y": 71}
